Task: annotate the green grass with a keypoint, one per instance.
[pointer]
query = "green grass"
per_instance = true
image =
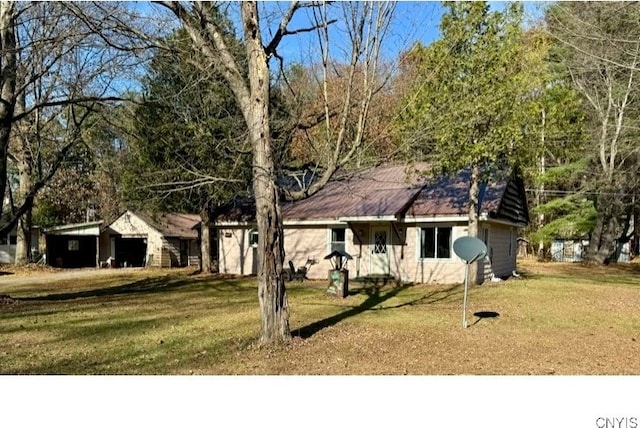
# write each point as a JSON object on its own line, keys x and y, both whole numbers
{"x": 562, "y": 319}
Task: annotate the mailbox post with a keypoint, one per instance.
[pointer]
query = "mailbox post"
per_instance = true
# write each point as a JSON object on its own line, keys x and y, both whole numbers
{"x": 339, "y": 275}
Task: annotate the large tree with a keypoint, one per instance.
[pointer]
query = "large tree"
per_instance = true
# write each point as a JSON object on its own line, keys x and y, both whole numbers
{"x": 598, "y": 48}
{"x": 56, "y": 71}
{"x": 250, "y": 82}
{"x": 472, "y": 96}
{"x": 552, "y": 161}
{"x": 187, "y": 147}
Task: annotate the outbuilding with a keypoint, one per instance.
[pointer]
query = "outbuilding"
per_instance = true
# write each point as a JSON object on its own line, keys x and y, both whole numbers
{"x": 160, "y": 240}
{"x": 74, "y": 245}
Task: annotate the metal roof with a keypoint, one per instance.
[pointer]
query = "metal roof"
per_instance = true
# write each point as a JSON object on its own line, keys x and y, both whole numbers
{"x": 384, "y": 193}
{"x": 172, "y": 225}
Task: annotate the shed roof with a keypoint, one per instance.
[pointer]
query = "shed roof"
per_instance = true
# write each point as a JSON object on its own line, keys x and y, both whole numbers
{"x": 172, "y": 225}
{"x": 91, "y": 228}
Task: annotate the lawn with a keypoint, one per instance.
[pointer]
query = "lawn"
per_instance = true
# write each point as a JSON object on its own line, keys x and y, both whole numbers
{"x": 554, "y": 319}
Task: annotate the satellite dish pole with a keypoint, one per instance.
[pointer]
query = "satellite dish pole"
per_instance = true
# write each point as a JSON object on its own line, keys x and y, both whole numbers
{"x": 468, "y": 249}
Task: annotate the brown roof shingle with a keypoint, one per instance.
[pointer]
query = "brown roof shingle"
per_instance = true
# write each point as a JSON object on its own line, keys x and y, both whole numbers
{"x": 172, "y": 225}
{"x": 450, "y": 196}
{"x": 375, "y": 192}
{"x": 383, "y": 191}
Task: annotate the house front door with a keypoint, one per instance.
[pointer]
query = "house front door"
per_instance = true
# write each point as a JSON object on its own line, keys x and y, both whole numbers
{"x": 380, "y": 250}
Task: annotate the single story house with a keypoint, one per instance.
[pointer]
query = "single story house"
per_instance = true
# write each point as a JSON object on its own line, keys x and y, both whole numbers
{"x": 159, "y": 240}
{"x": 391, "y": 222}
{"x": 134, "y": 239}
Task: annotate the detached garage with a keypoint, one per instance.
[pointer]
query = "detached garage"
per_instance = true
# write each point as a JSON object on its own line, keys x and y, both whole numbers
{"x": 74, "y": 245}
{"x": 159, "y": 240}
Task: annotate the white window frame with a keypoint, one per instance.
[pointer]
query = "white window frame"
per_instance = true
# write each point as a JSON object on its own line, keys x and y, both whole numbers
{"x": 435, "y": 237}
{"x": 250, "y": 235}
{"x": 330, "y": 240}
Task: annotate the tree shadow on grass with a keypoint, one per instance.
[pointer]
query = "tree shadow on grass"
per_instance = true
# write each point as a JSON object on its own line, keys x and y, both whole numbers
{"x": 374, "y": 298}
{"x": 147, "y": 285}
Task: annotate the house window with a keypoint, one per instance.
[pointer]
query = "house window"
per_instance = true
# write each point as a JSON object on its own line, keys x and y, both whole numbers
{"x": 4, "y": 240}
{"x": 253, "y": 238}
{"x": 73, "y": 245}
{"x": 338, "y": 240}
{"x": 435, "y": 243}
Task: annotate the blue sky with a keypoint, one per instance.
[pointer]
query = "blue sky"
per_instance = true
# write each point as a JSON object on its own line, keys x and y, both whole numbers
{"x": 413, "y": 21}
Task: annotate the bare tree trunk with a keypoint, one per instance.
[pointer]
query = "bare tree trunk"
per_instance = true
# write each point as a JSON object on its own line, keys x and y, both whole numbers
{"x": 23, "y": 239}
{"x": 608, "y": 241}
{"x": 271, "y": 290}
{"x": 601, "y": 244}
{"x": 8, "y": 64}
{"x": 474, "y": 222}
{"x": 205, "y": 246}
{"x": 253, "y": 100}
{"x": 540, "y": 190}
{"x": 25, "y": 162}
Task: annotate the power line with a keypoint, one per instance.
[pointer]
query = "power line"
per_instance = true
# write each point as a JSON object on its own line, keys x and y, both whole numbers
{"x": 578, "y": 192}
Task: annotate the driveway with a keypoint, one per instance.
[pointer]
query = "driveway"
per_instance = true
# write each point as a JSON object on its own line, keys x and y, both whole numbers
{"x": 44, "y": 277}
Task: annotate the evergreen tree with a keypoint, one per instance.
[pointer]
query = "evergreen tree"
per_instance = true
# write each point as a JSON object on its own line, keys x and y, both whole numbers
{"x": 472, "y": 97}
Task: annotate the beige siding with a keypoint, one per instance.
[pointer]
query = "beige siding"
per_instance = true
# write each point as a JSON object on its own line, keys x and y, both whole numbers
{"x": 156, "y": 257}
{"x": 309, "y": 243}
{"x": 194, "y": 253}
{"x": 424, "y": 271}
{"x": 360, "y": 250}
{"x": 235, "y": 255}
{"x": 173, "y": 246}
{"x": 130, "y": 225}
{"x": 304, "y": 245}
{"x": 502, "y": 249}
{"x": 312, "y": 243}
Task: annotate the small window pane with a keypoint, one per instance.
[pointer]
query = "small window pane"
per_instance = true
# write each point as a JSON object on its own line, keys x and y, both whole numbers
{"x": 444, "y": 242}
{"x": 253, "y": 238}
{"x": 428, "y": 243}
{"x": 380, "y": 245}
{"x": 338, "y": 239}
{"x": 74, "y": 245}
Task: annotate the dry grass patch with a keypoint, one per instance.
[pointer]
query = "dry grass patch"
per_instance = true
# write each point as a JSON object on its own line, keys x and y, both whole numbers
{"x": 555, "y": 319}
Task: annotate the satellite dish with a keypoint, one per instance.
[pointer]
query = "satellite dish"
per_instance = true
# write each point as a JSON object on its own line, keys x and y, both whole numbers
{"x": 469, "y": 248}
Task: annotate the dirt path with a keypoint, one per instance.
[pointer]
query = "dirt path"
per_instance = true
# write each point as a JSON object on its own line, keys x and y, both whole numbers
{"x": 22, "y": 278}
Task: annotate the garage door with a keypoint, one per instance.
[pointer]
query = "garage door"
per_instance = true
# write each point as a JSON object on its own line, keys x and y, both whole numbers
{"x": 130, "y": 252}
